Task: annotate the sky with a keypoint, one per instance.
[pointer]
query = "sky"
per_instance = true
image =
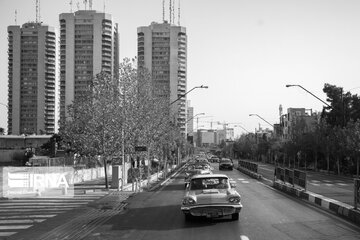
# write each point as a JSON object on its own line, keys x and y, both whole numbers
{"x": 245, "y": 51}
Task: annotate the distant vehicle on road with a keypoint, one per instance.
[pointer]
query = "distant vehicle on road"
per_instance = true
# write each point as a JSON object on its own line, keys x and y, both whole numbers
{"x": 226, "y": 163}
{"x": 211, "y": 196}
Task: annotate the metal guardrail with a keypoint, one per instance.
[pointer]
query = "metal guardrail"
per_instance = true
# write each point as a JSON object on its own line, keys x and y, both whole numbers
{"x": 291, "y": 176}
{"x": 253, "y": 167}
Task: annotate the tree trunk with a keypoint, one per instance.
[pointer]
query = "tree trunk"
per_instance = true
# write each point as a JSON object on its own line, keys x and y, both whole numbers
{"x": 327, "y": 162}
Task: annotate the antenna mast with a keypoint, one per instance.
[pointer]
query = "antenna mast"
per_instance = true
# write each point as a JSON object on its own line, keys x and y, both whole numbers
{"x": 104, "y": 5}
{"x": 179, "y": 13}
{"x": 85, "y": 3}
{"x": 173, "y": 12}
{"x": 71, "y": 3}
{"x": 90, "y": 4}
{"x": 15, "y": 17}
{"x": 163, "y": 8}
{"x": 170, "y": 1}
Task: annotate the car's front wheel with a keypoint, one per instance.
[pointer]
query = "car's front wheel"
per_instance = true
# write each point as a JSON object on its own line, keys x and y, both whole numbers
{"x": 235, "y": 216}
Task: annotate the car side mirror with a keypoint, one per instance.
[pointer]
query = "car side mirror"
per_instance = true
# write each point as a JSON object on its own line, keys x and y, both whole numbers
{"x": 232, "y": 184}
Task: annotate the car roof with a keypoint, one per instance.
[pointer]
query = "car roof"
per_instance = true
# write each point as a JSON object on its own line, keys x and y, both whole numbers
{"x": 209, "y": 176}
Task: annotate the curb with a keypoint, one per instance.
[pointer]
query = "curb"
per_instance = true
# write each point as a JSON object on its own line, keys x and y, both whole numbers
{"x": 341, "y": 209}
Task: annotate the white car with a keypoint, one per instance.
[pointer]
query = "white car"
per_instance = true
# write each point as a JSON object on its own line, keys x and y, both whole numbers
{"x": 212, "y": 196}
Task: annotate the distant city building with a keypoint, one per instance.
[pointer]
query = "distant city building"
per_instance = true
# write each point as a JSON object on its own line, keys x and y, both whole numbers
{"x": 190, "y": 119}
{"x": 303, "y": 119}
{"x": 32, "y": 79}
{"x": 89, "y": 44}
{"x": 224, "y": 135}
{"x": 205, "y": 138}
{"x": 162, "y": 49}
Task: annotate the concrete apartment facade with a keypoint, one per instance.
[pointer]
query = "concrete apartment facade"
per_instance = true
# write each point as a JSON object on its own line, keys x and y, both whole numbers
{"x": 89, "y": 44}
{"x": 162, "y": 49}
{"x": 293, "y": 117}
{"x": 32, "y": 79}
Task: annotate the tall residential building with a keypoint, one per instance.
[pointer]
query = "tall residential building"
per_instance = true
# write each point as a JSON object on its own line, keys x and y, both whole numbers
{"x": 162, "y": 49}
{"x": 33, "y": 79}
{"x": 89, "y": 44}
{"x": 190, "y": 119}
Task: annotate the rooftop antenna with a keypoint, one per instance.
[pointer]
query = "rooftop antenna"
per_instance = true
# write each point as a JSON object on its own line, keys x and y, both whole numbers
{"x": 170, "y": 1}
{"x": 179, "y": 13}
{"x": 163, "y": 8}
{"x": 71, "y": 3}
{"x": 15, "y": 17}
{"x": 37, "y": 11}
{"x": 78, "y": 5}
{"x": 173, "y": 12}
{"x": 85, "y": 3}
{"x": 104, "y": 5}
{"x": 90, "y": 4}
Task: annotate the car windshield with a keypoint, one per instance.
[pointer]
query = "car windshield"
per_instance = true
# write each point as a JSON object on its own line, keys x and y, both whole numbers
{"x": 226, "y": 160}
{"x": 209, "y": 183}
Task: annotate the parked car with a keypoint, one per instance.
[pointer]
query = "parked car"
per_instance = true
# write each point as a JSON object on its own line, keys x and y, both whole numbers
{"x": 226, "y": 163}
{"x": 212, "y": 196}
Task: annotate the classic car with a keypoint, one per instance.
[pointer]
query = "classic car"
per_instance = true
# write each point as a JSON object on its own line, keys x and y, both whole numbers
{"x": 226, "y": 163}
{"x": 197, "y": 169}
{"x": 212, "y": 196}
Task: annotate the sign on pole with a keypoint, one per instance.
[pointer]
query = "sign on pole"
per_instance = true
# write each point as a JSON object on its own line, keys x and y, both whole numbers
{"x": 140, "y": 148}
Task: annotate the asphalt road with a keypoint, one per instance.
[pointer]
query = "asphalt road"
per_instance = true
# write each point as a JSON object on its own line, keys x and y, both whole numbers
{"x": 329, "y": 185}
{"x": 267, "y": 214}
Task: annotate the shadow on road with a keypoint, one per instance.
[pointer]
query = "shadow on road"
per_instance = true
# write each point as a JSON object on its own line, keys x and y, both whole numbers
{"x": 162, "y": 218}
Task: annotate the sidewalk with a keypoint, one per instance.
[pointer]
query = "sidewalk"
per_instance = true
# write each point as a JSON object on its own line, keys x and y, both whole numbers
{"x": 80, "y": 222}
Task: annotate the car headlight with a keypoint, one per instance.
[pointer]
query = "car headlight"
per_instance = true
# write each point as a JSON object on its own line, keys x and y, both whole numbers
{"x": 188, "y": 201}
{"x": 234, "y": 199}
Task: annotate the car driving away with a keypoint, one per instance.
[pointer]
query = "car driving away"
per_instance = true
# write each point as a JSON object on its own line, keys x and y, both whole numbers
{"x": 211, "y": 196}
{"x": 195, "y": 169}
{"x": 226, "y": 163}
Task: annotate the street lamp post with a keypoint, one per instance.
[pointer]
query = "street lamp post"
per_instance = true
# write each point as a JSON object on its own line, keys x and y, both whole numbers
{"x": 261, "y": 119}
{"x": 296, "y": 85}
{"x": 183, "y": 95}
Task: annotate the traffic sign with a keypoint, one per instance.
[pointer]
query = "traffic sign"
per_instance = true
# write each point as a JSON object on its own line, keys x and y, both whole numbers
{"x": 140, "y": 148}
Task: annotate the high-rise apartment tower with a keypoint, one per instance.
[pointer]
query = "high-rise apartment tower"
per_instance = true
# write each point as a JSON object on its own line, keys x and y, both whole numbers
{"x": 88, "y": 45}
{"x": 162, "y": 49}
{"x": 32, "y": 100}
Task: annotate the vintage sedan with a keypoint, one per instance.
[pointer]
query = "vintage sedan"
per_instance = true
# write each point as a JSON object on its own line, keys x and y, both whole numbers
{"x": 212, "y": 196}
{"x": 195, "y": 170}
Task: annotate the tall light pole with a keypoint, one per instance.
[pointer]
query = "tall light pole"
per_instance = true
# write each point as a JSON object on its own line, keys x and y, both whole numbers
{"x": 183, "y": 95}
{"x": 296, "y": 85}
{"x": 261, "y": 119}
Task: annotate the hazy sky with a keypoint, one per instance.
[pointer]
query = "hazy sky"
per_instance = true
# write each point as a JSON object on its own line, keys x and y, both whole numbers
{"x": 246, "y": 51}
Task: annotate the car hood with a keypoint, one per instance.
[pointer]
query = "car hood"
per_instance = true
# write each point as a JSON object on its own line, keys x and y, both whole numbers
{"x": 210, "y": 196}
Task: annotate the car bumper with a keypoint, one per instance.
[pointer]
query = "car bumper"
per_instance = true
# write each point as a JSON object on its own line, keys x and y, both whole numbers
{"x": 211, "y": 210}
{"x": 226, "y": 167}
